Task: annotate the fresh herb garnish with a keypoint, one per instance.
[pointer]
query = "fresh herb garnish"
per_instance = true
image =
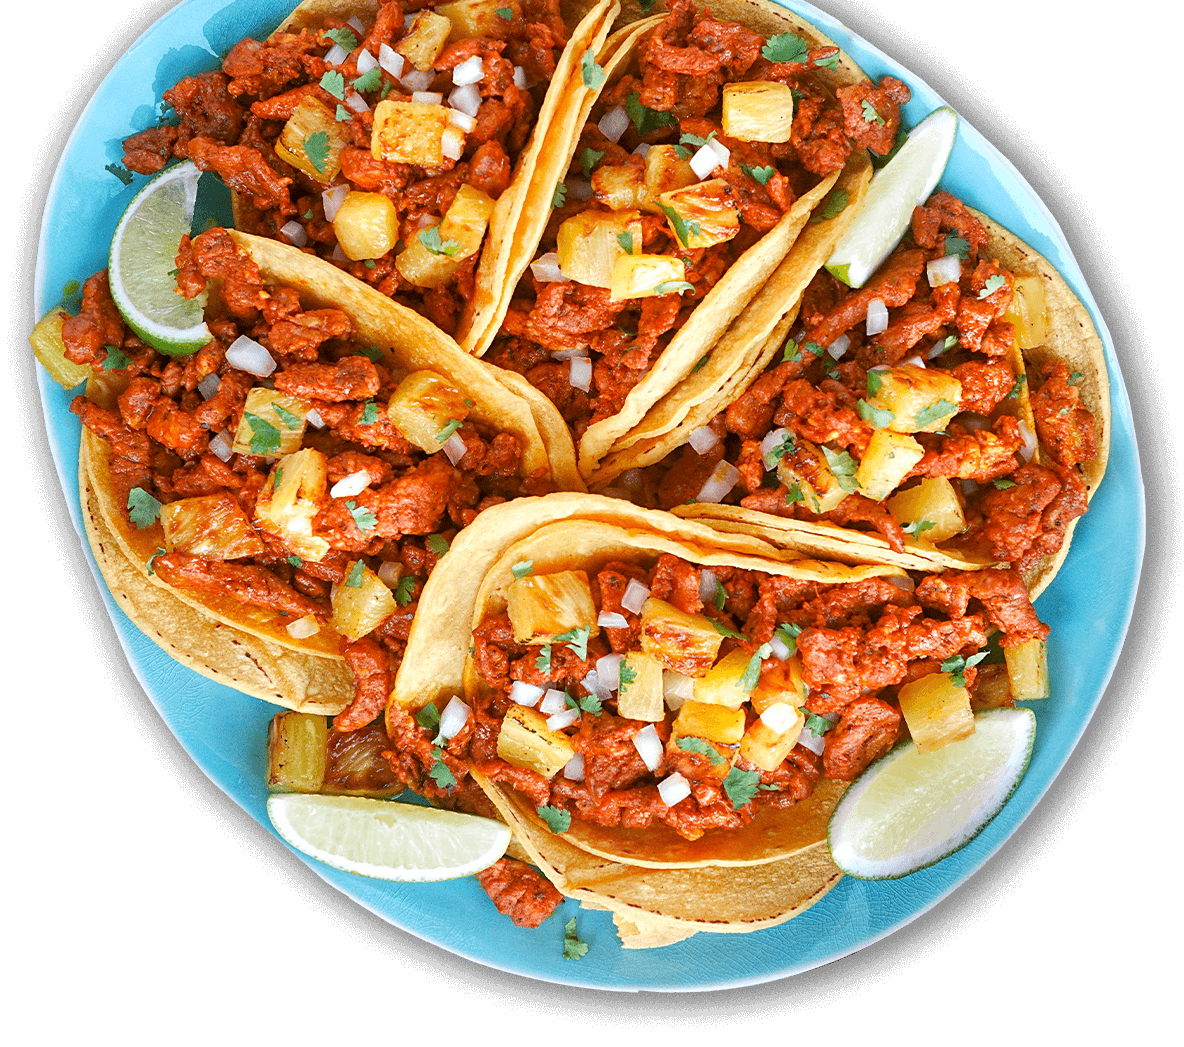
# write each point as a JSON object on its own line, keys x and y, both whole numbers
{"x": 844, "y": 468}
{"x": 874, "y": 383}
{"x": 441, "y": 773}
{"x": 370, "y": 81}
{"x": 152, "y": 561}
{"x": 752, "y": 671}
{"x": 626, "y": 242}
{"x": 576, "y": 640}
{"x": 120, "y": 172}
{"x": 559, "y": 196}
{"x": 870, "y": 116}
{"x": 918, "y": 527}
{"x": 364, "y": 519}
{"x": 726, "y": 630}
{"x": 265, "y": 437}
{"x": 573, "y": 948}
{"x": 644, "y": 118}
{"x": 835, "y": 205}
{"x": 690, "y": 139}
{"x": 672, "y": 286}
{"x": 992, "y": 285}
{"x": 683, "y": 229}
{"x": 558, "y": 820}
{"x": 290, "y": 420}
{"x": 116, "y": 359}
{"x": 956, "y": 245}
{"x": 741, "y": 786}
{"x": 428, "y": 717}
{"x": 354, "y": 578}
{"x": 792, "y": 352}
{"x": 589, "y": 158}
{"x": 430, "y": 238}
{"x": 775, "y": 454}
{"x": 880, "y": 418}
{"x": 316, "y": 148}
{"x": 788, "y": 634}
{"x": 437, "y": 544}
{"x": 404, "y": 590}
{"x": 589, "y": 703}
{"x": 522, "y": 568}
{"x": 957, "y": 665}
{"x": 1015, "y": 389}
{"x": 1003, "y": 485}
{"x": 506, "y": 13}
{"x": 334, "y": 83}
{"x": 627, "y": 676}
{"x": 816, "y": 725}
{"x": 702, "y": 362}
{"x": 445, "y": 434}
{"x": 369, "y": 413}
{"x": 794, "y": 494}
{"x": 343, "y": 114}
{"x": 543, "y": 662}
{"x": 702, "y": 748}
{"x": 142, "y": 508}
{"x": 760, "y": 174}
{"x": 933, "y": 412}
{"x": 786, "y": 47}
{"x": 720, "y": 596}
{"x": 592, "y": 73}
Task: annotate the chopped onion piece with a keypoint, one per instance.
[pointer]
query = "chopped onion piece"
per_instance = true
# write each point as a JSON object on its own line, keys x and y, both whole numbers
{"x": 315, "y": 420}
{"x": 303, "y": 628}
{"x": 946, "y": 270}
{"x": 462, "y": 120}
{"x": 721, "y": 151}
{"x": 390, "y": 573}
{"x": 561, "y": 720}
{"x": 573, "y": 770}
{"x": 245, "y": 354}
{"x": 418, "y": 79}
{"x": 915, "y": 360}
{"x": 648, "y": 746}
{"x": 332, "y": 199}
{"x": 642, "y": 149}
{"x": 635, "y": 596}
{"x": 779, "y": 717}
{"x": 294, "y": 231}
{"x": 453, "y": 718}
{"x": 366, "y": 62}
{"x": 336, "y": 55}
{"x": 455, "y": 448}
{"x": 467, "y": 99}
{"x": 427, "y": 97}
{"x": 814, "y": 742}
{"x": 719, "y": 484}
{"x": 569, "y": 354}
{"x": 338, "y": 255}
{"x": 612, "y": 620}
{"x": 208, "y": 386}
{"x": 704, "y": 161}
{"x": 581, "y": 373}
{"x": 838, "y": 347}
{"x": 608, "y": 672}
{"x": 546, "y": 269}
{"x": 520, "y": 78}
{"x": 452, "y": 143}
{"x": 579, "y": 189}
{"x": 778, "y": 648}
{"x": 350, "y": 485}
{"x": 770, "y": 443}
{"x": 936, "y": 351}
{"x": 221, "y": 446}
{"x": 554, "y": 701}
{"x": 355, "y": 23}
{"x": 591, "y": 682}
{"x": 525, "y": 693}
{"x": 877, "y": 316}
{"x": 674, "y": 789}
{"x": 391, "y": 61}
{"x": 703, "y": 439}
{"x": 356, "y": 102}
{"x": 1025, "y": 452}
{"x": 470, "y": 71}
{"x": 614, "y": 123}
{"x": 708, "y": 583}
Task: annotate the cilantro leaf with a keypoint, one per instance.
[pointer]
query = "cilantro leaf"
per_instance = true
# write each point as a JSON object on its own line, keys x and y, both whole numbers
{"x": 741, "y": 786}
{"x": 120, "y": 172}
{"x": 626, "y": 242}
{"x": 646, "y": 6}
{"x": 265, "y": 437}
{"x": 441, "y": 773}
{"x": 296, "y": 562}
{"x": 814, "y": 348}
{"x": 364, "y": 519}
{"x": 152, "y": 561}
{"x": 343, "y": 38}
{"x": 446, "y": 433}
{"x": 786, "y": 47}
{"x": 277, "y": 479}
{"x": 573, "y": 948}
{"x": 956, "y": 245}
{"x": 290, "y": 420}
{"x": 844, "y": 467}
{"x": 558, "y": 820}
{"x": 316, "y": 148}
{"x": 589, "y": 158}
{"x": 644, "y": 118}
{"x": 404, "y": 590}
{"x": 792, "y": 352}
{"x": 430, "y": 238}
{"x": 116, "y": 359}
{"x": 794, "y": 494}
{"x": 870, "y": 116}
{"x": 559, "y": 197}
{"x": 142, "y": 508}
{"x": 881, "y": 419}
{"x": 918, "y": 527}
{"x": 437, "y": 544}
{"x": 835, "y": 205}
{"x": 726, "y": 630}
{"x": 683, "y": 229}
{"x": 589, "y": 703}
{"x": 752, "y": 671}
{"x": 702, "y": 361}
{"x": 522, "y": 568}
{"x": 690, "y": 139}
{"x": 788, "y": 634}
{"x": 592, "y": 73}
{"x": 1075, "y": 377}
{"x": 354, "y": 578}
{"x": 334, "y": 83}
{"x": 1015, "y": 389}
{"x": 543, "y": 662}
{"x": 760, "y": 174}
{"x": 343, "y": 114}
{"x": 992, "y": 285}
{"x": 1003, "y": 485}
{"x": 370, "y": 81}
{"x": 720, "y": 597}
{"x": 627, "y": 676}
{"x": 672, "y": 286}
{"x": 874, "y": 383}
{"x": 428, "y": 717}
{"x": 775, "y": 454}
{"x": 933, "y": 412}
{"x": 506, "y": 13}
{"x": 957, "y": 665}
{"x": 702, "y": 748}
{"x": 816, "y": 725}
{"x": 829, "y": 62}
{"x": 369, "y": 413}
{"x": 576, "y": 640}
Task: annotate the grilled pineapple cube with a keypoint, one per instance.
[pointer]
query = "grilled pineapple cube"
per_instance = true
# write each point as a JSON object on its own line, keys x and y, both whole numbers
{"x": 758, "y": 111}
{"x": 921, "y": 399}
{"x": 771, "y": 738}
{"x": 590, "y": 243}
{"x": 466, "y": 220}
{"x": 686, "y": 643}
{"x": 665, "y": 171}
{"x": 409, "y": 133}
{"x": 712, "y": 723}
{"x": 931, "y": 502}
{"x": 806, "y": 468}
{"x": 50, "y": 350}
{"x": 479, "y": 19}
{"x": 1028, "y": 313}
{"x": 361, "y": 603}
{"x": 366, "y": 225}
{"x": 646, "y": 275}
{"x": 422, "y": 408}
{"x": 936, "y": 710}
{"x": 702, "y": 215}
{"x": 213, "y": 526}
{"x": 426, "y": 41}
{"x": 1027, "y": 670}
{"x": 781, "y": 684}
{"x": 272, "y": 424}
{"x": 640, "y": 695}
{"x": 287, "y": 504}
{"x": 312, "y": 140}
{"x": 725, "y": 683}
{"x": 887, "y": 461}
{"x": 545, "y": 606}
{"x": 296, "y": 753}
{"x": 992, "y": 689}
{"x": 426, "y": 266}
{"x": 355, "y": 766}
{"x": 620, "y": 187}
{"x": 525, "y": 741}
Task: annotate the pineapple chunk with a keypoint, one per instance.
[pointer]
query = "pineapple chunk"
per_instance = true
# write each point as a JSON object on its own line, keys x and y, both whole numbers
{"x": 431, "y": 259}
{"x": 213, "y": 526}
{"x": 361, "y": 603}
{"x": 296, "y": 753}
{"x": 543, "y": 607}
{"x": 758, "y": 111}
{"x": 426, "y": 41}
{"x": 887, "y": 461}
{"x": 1027, "y": 670}
{"x": 771, "y": 738}
{"x": 992, "y": 688}
{"x": 50, "y": 350}
{"x": 781, "y": 684}
{"x": 640, "y": 696}
{"x": 620, "y": 187}
{"x": 724, "y": 684}
{"x": 936, "y": 710}
{"x": 1028, "y": 313}
{"x": 590, "y": 243}
{"x": 312, "y": 140}
{"x": 422, "y": 408}
{"x": 422, "y": 266}
{"x": 466, "y": 220}
{"x": 272, "y": 424}
{"x": 702, "y": 215}
{"x": 713, "y": 723}
{"x": 807, "y": 468}
{"x": 366, "y": 225}
{"x": 686, "y": 643}
{"x": 665, "y": 171}
{"x": 409, "y": 133}
{"x": 525, "y": 741}
{"x": 921, "y": 399}
{"x": 646, "y": 275}
{"x": 479, "y": 19}
{"x": 355, "y": 766}
{"x": 287, "y": 504}
{"x": 932, "y": 502}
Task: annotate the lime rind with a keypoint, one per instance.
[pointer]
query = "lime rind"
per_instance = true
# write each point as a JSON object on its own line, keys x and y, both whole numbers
{"x": 909, "y": 810}
{"x": 897, "y": 188}
{"x": 142, "y": 262}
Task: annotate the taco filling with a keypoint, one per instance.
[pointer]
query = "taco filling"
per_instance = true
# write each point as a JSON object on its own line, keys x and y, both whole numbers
{"x": 692, "y": 697}
{"x": 685, "y": 164}
{"x": 290, "y": 468}
{"x": 381, "y": 145}
{"x": 905, "y": 407}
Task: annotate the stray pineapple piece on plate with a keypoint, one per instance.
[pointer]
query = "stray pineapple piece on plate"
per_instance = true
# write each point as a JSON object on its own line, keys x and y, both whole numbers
{"x": 423, "y": 408}
{"x": 296, "y": 745}
{"x": 686, "y": 643}
{"x": 1027, "y": 670}
{"x": 361, "y": 603}
{"x": 525, "y": 741}
{"x": 213, "y": 526}
{"x": 545, "y": 607}
{"x": 936, "y": 710}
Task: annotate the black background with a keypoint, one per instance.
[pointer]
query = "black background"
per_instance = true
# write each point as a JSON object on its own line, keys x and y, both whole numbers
{"x": 135, "y": 848}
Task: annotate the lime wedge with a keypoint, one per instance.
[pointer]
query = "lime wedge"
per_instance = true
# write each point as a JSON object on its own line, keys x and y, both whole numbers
{"x": 899, "y": 186}
{"x": 142, "y": 264}
{"x": 386, "y": 840}
{"x": 911, "y": 809}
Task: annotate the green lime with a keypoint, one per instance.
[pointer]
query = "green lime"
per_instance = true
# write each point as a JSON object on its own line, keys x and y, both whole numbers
{"x": 911, "y": 809}
{"x": 898, "y": 187}
{"x": 142, "y": 264}
{"x": 387, "y": 840}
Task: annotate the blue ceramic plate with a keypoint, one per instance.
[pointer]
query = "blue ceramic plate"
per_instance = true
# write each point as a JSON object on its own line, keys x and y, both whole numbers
{"x": 1088, "y": 605}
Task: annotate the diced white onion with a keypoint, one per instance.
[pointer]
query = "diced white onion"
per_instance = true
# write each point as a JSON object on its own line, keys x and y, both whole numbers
{"x": 525, "y": 693}
{"x": 390, "y": 573}
{"x": 677, "y": 688}
{"x": 427, "y": 97}
{"x": 877, "y": 316}
{"x": 721, "y": 151}
{"x": 901, "y": 581}
{"x": 462, "y": 120}
{"x": 635, "y": 596}
{"x": 303, "y": 628}
{"x": 612, "y": 620}
{"x": 520, "y": 78}
{"x": 315, "y": 420}
{"x": 569, "y": 354}
{"x": 350, "y": 485}
{"x": 936, "y": 351}
{"x": 969, "y": 487}
{"x": 561, "y": 720}
{"x": 356, "y": 102}
{"x": 591, "y": 682}
{"x": 553, "y": 702}
{"x": 946, "y": 270}
{"x": 546, "y": 269}
{"x": 708, "y": 583}
{"x": 208, "y": 386}
{"x": 221, "y": 446}
{"x": 649, "y": 747}
{"x": 642, "y": 149}
{"x": 770, "y": 443}
{"x": 1025, "y": 452}
{"x": 470, "y": 71}
{"x": 294, "y": 231}
{"x": 719, "y": 484}
{"x": 338, "y": 255}
{"x": 704, "y": 161}
{"x": 366, "y": 62}
{"x": 778, "y": 648}
{"x": 703, "y": 439}
{"x": 814, "y": 742}
{"x": 839, "y": 346}
{"x": 614, "y": 123}
{"x": 332, "y": 199}
{"x": 573, "y": 770}
{"x": 579, "y": 189}
{"x": 581, "y": 373}
{"x": 355, "y": 23}
{"x": 336, "y": 55}
{"x": 391, "y": 61}
{"x": 453, "y": 718}
{"x": 674, "y": 789}
{"x": 417, "y": 79}
{"x": 452, "y": 143}
{"x": 608, "y": 672}
{"x": 779, "y": 717}
{"x": 467, "y": 99}
{"x": 455, "y": 448}
{"x": 916, "y": 361}
{"x": 245, "y": 354}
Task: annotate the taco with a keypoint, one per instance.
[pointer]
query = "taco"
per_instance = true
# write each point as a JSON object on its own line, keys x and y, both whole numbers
{"x": 709, "y": 140}
{"x": 972, "y": 427}
{"x": 297, "y": 478}
{"x": 643, "y": 698}
{"x": 397, "y": 140}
